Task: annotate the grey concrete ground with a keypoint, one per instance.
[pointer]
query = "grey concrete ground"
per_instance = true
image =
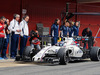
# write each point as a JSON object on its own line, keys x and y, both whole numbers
{"x": 85, "y": 67}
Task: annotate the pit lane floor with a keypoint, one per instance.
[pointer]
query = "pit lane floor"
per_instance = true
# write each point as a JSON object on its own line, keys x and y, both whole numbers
{"x": 84, "y": 67}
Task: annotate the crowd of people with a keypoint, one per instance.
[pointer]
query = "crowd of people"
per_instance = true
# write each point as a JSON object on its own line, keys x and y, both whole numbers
{"x": 14, "y": 30}
{"x": 69, "y": 29}
{"x": 65, "y": 30}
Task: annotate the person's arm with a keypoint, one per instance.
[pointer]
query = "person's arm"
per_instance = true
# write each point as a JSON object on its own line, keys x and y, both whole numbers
{"x": 11, "y": 26}
{"x": 38, "y": 36}
{"x": 73, "y": 27}
{"x": 21, "y": 27}
{"x": 30, "y": 39}
{"x": 8, "y": 32}
{"x": 68, "y": 32}
{"x": 1, "y": 28}
{"x": 52, "y": 31}
{"x": 60, "y": 31}
{"x": 78, "y": 31}
{"x": 90, "y": 33}
{"x": 84, "y": 32}
{"x": 72, "y": 31}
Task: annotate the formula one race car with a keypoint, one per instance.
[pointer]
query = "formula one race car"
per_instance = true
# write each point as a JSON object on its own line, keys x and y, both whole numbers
{"x": 69, "y": 49}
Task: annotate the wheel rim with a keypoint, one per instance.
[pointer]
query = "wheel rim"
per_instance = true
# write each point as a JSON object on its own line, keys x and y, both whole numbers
{"x": 99, "y": 54}
{"x": 66, "y": 58}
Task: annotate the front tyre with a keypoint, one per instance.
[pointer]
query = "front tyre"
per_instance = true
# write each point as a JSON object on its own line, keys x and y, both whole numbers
{"x": 27, "y": 53}
{"x": 63, "y": 56}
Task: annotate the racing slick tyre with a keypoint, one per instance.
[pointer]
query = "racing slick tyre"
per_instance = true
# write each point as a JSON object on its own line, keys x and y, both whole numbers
{"x": 63, "y": 56}
{"x": 95, "y": 54}
{"x": 27, "y": 53}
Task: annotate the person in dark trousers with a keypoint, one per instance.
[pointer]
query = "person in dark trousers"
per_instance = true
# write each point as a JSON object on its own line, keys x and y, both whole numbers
{"x": 88, "y": 33}
{"x": 64, "y": 30}
{"x": 76, "y": 29}
{"x": 15, "y": 31}
{"x": 24, "y": 33}
{"x": 55, "y": 31}
{"x": 6, "y": 40}
{"x": 2, "y": 33}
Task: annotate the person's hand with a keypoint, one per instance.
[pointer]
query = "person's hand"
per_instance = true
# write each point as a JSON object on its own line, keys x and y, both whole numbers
{"x": 21, "y": 36}
{"x": 32, "y": 34}
{"x": 8, "y": 32}
{"x": 5, "y": 26}
{"x": 18, "y": 30}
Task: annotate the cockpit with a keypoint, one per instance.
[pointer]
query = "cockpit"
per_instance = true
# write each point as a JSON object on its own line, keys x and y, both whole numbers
{"x": 61, "y": 43}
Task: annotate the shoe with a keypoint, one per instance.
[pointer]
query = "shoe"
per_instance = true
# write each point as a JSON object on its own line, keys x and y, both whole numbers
{"x": 12, "y": 57}
{"x": 5, "y": 58}
{"x": 1, "y": 58}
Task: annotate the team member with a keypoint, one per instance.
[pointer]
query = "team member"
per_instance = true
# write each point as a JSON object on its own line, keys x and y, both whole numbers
{"x": 15, "y": 30}
{"x": 6, "y": 40}
{"x": 65, "y": 29}
{"x": 2, "y": 33}
{"x": 24, "y": 33}
{"x": 54, "y": 31}
{"x": 71, "y": 29}
{"x": 88, "y": 33}
{"x": 76, "y": 29}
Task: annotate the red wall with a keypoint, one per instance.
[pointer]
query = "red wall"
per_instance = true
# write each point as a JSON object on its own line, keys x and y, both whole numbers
{"x": 9, "y": 7}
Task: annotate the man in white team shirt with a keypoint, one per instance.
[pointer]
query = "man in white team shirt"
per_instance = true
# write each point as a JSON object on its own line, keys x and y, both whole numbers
{"x": 15, "y": 30}
{"x": 24, "y": 33}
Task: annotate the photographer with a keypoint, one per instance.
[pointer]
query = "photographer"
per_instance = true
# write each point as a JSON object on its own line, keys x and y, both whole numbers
{"x": 34, "y": 40}
{"x": 6, "y": 40}
{"x": 2, "y": 33}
